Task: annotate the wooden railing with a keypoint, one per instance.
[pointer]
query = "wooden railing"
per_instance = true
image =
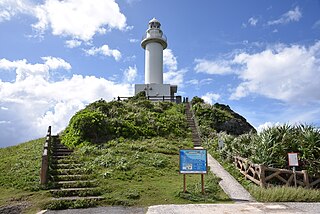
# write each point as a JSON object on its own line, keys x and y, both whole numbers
{"x": 267, "y": 176}
{"x": 45, "y": 158}
{"x": 176, "y": 99}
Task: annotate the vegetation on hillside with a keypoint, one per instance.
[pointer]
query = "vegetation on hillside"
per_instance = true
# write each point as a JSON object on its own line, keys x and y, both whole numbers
{"x": 130, "y": 148}
{"x": 269, "y": 147}
{"x": 216, "y": 118}
{"x": 134, "y": 119}
{"x": 145, "y": 172}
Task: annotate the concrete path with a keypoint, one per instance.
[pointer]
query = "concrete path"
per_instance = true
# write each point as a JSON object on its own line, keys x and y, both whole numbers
{"x": 238, "y": 208}
{"x": 228, "y": 183}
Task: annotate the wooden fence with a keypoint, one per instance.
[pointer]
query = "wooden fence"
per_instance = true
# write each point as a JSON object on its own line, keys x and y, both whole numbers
{"x": 45, "y": 158}
{"x": 268, "y": 176}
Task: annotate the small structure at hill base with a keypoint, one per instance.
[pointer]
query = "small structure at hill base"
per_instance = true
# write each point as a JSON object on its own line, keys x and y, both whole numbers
{"x": 154, "y": 42}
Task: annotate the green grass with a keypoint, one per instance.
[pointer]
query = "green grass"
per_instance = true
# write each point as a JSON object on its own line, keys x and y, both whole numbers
{"x": 128, "y": 172}
{"x": 146, "y": 172}
{"x": 19, "y": 177}
{"x": 285, "y": 194}
{"x": 20, "y": 165}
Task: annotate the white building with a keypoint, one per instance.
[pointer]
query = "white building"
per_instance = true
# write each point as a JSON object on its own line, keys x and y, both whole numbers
{"x": 154, "y": 42}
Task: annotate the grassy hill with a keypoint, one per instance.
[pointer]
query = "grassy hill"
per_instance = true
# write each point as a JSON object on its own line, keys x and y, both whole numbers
{"x": 130, "y": 148}
{"x": 19, "y": 176}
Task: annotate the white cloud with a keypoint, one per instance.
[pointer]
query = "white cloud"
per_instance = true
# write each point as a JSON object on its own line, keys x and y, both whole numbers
{"x": 79, "y": 19}
{"x": 130, "y": 74}
{"x": 316, "y": 25}
{"x": 211, "y": 97}
{"x": 56, "y": 63}
{"x": 175, "y": 77}
{"x": 267, "y": 125}
{"x": 169, "y": 60}
{"x": 132, "y": 1}
{"x": 10, "y": 8}
{"x": 73, "y": 43}
{"x": 35, "y": 102}
{"x": 287, "y": 73}
{"x": 172, "y": 76}
{"x": 290, "y": 16}
{"x": 104, "y": 50}
{"x": 290, "y": 73}
{"x": 199, "y": 82}
{"x": 212, "y": 67}
{"x": 24, "y": 70}
{"x": 253, "y": 21}
{"x": 134, "y": 40}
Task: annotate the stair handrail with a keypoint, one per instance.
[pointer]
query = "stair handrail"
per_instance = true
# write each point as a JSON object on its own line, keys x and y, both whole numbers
{"x": 45, "y": 159}
{"x": 195, "y": 120}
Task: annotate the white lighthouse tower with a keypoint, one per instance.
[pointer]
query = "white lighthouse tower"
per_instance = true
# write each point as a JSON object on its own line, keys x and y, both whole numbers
{"x": 154, "y": 42}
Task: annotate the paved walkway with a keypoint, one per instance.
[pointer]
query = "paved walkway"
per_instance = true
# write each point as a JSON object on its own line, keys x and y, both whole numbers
{"x": 228, "y": 183}
{"x": 238, "y": 208}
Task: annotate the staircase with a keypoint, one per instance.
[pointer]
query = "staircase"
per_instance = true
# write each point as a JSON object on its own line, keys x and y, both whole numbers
{"x": 192, "y": 125}
{"x": 73, "y": 186}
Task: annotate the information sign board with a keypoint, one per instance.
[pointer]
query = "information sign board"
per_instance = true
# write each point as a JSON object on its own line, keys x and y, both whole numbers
{"x": 193, "y": 161}
{"x": 293, "y": 159}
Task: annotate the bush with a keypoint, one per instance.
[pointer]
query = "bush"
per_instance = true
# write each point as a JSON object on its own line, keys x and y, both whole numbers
{"x": 271, "y": 146}
{"x": 135, "y": 118}
{"x": 86, "y": 126}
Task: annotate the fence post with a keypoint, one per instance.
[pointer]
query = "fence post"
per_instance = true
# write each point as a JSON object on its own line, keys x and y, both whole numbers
{"x": 44, "y": 168}
{"x": 262, "y": 176}
{"x": 45, "y": 159}
{"x": 306, "y": 178}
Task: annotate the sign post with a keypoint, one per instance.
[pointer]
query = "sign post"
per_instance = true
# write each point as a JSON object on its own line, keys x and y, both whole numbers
{"x": 193, "y": 161}
{"x": 293, "y": 161}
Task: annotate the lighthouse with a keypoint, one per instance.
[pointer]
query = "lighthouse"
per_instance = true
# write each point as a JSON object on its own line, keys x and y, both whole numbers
{"x": 154, "y": 42}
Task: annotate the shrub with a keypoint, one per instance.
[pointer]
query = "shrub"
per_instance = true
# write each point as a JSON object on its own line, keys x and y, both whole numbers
{"x": 86, "y": 126}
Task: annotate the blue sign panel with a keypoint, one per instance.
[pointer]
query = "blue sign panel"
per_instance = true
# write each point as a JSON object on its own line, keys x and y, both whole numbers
{"x": 193, "y": 161}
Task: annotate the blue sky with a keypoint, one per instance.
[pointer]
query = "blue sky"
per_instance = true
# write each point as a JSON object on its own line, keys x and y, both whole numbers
{"x": 260, "y": 57}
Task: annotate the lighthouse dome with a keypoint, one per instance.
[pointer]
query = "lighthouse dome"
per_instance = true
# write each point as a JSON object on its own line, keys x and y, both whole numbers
{"x": 154, "y": 23}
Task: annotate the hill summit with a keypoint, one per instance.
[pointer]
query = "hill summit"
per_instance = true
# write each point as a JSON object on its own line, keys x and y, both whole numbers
{"x": 138, "y": 117}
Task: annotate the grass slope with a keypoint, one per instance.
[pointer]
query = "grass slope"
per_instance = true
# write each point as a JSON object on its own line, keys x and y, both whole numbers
{"x": 19, "y": 176}
{"x": 145, "y": 172}
{"x": 131, "y": 148}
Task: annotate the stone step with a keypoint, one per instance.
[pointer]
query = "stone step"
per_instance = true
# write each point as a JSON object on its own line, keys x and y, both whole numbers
{"x": 75, "y": 184}
{"x": 58, "y": 154}
{"x": 65, "y": 160}
{"x": 66, "y": 165}
{"x": 70, "y": 177}
{"x": 58, "y": 157}
{"x": 75, "y": 198}
{"x": 59, "y": 146}
{"x": 61, "y": 149}
{"x": 85, "y": 191}
{"x": 74, "y": 171}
